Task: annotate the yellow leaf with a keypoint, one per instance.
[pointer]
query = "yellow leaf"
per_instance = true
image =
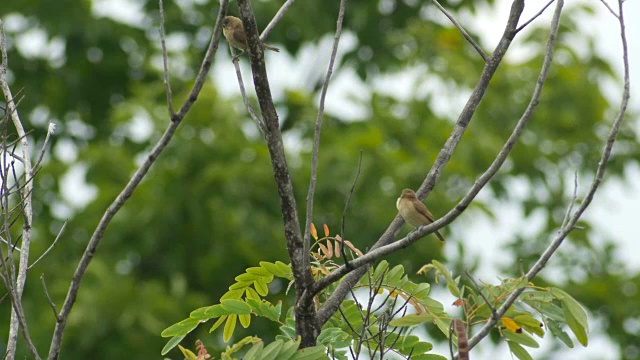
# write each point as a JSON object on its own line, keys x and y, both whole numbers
{"x": 188, "y": 354}
{"x": 326, "y": 230}
{"x": 511, "y": 325}
{"x": 314, "y": 233}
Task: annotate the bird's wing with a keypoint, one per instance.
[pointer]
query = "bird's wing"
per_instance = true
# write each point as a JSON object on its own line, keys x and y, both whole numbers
{"x": 423, "y": 210}
{"x": 240, "y": 37}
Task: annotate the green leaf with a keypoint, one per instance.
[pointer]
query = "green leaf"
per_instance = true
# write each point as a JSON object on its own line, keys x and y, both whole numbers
{"x": 536, "y": 295}
{"x": 428, "y": 357}
{"x": 200, "y": 314}
{"x": 172, "y": 343}
{"x": 380, "y": 269}
{"x": 218, "y": 323}
{"x": 529, "y": 323}
{"x": 237, "y": 307}
{"x": 271, "y": 351}
{"x": 240, "y": 285}
{"x": 519, "y": 351}
{"x": 232, "y": 294}
{"x": 289, "y": 349}
{"x": 522, "y": 339}
{"x": 260, "y": 271}
{"x": 252, "y": 294}
{"x": 453, "y": 289}
{"x": 246, "y": 277}
{"x": 311, "y": 353}
{"x": 229, "y": 327}
{"x": 412, "y": 319}
{"x": 245, "y": 320}
{"x": 276, "y": 270}
{"x": 216, "y": 311}
{"x": 555, "y": 329}
{"x": 182, "y": 328}
{"x": 254, "y": 351}
{"x": 577, "y": 328}
{"x": 261, "y": 286}
{"x": 394, "y": 275}
{"x": 573, "y": 306}
{"x": 334, "y": 338}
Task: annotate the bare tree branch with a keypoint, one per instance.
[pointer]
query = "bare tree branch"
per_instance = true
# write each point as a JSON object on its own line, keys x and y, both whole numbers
{"x": 491, "y": 65}
{"x": 165, "y": 62}
{"x": 55, "y": 241}
{"x": 17, "y": 315}
{"x": 306, "y": 325}
{"x": 462, "y": 30}
{"x": 316, "y": 138}
{"x": 568, "y": 227}
{"x": 125, "y": 194}
{"x": 276, "y": 19}
{"x": 243, "y": 93}
{"x": 46, "y": 294}
{"x": 535, "y": 16}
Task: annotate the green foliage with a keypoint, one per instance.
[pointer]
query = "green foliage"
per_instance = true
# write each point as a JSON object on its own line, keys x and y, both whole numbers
{"x": 552, "y": 305}
{"x": 208, "y": 208}
{"x": 243, "y": 299}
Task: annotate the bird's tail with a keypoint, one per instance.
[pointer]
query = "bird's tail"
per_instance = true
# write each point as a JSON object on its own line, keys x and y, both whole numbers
{"x": 269, "y": 47}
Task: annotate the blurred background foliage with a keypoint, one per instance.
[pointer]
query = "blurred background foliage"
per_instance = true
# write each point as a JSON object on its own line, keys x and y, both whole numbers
{"x": 208, "y": 208}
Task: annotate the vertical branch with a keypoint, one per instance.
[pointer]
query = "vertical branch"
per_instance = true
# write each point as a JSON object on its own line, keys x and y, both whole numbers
{"x": 27, "y": 211}
{"x": 306, "y": 325}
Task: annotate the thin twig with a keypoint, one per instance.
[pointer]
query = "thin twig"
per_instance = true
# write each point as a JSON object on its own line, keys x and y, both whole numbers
{"x": 165, "y": 62}
{"x": 574, "y": 198}
{"x": 243, "y": 93}
{"x": 55, "y": 241}
{"x": 346, "y": 207}
{"x": 610, "y": 9}
{"x": 316, "y": 140}
{"x": 535, "y": 16}
{"x": 50, "y": 130}
{"x": 475, "y": 285}
{"x": 462, "y": 30}
{"x": 46, "y": 294}
{"x": 276, "y": 19}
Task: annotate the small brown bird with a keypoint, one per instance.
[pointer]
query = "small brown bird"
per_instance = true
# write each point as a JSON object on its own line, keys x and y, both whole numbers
{"x": 233, "y": 30}
{"x": 413, "y": 211}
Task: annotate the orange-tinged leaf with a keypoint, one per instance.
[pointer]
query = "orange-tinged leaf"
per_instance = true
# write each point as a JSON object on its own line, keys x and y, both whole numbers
{"x": 337, "y": 248}
{"x": 458, "y": 302}
{"x": 353, "y": 248}
{"x": 330, "y": 248}
{"x": 326, "y": 230}
{"x": 314, "y": 232}
{"x": 511, "y": 325}
{"x": 324, "y": 249}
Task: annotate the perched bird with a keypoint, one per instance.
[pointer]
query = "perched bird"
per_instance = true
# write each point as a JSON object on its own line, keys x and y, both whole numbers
{"x": 413, "y": 211}
{"x": 233, "y": 30}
